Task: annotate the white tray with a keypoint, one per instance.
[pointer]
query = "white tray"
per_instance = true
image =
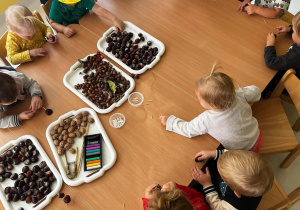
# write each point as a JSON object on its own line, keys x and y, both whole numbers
{"x": 56, "y": 186}
{"x": 109, "y": 154}
{"x": 129, "y": 27}
{"x": 72, "y": 77}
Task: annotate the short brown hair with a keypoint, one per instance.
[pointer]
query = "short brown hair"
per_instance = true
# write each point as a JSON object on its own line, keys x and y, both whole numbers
{"x": 8, "y": 88}
{"x": 216, "y": 89}
{"x": 173, "y": 199}
{"x": 246, "y": 172}
{"x": 296, "y": 23}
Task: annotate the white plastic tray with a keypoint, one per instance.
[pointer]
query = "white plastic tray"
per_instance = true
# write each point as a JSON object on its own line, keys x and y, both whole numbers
{"x": 109, "y": 154}
{"x": 72, "y": 77}
{"x": 56, "y": 186}
{"x": 129, "y": 27}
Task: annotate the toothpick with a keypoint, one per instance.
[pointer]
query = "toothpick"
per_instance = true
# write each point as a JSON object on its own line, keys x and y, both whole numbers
{"x": 145, "y": 104}
{"x": 123, "y": 206}
{"x": 265, "y": 21}
{"x": 151, "y": 116}
{"x": 149, "y": 100}
{"x": 81, "y": 150}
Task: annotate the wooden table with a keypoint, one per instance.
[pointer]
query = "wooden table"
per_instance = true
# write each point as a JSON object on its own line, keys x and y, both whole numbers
{"x": 147, "y": 153}
{"x": 198, "y": 33}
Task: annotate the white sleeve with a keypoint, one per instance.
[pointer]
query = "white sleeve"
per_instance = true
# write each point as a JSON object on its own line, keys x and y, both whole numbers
{"x": 214, "y": 201}
{"x": 250, "y": 93}
{"x": 188, "y": 129}
{"x": 9, "y": 121}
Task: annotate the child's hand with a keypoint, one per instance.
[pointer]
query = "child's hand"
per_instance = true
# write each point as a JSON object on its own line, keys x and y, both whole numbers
{"x": 202, "y": 178}
{"x": 242, "y": 5}
{"x": 36, "y": 103}
{"x": 37, "y": 52}
{"x": 119, "y": 25}
{"x": 283, "y": 29}
{"x": 168, "y": 187}
{"x": 205, "y": 154}
{"x": 50, "y": 37}
{"x": 250, "y": 9}
{"x": 163, "y": 120}
{"x": 25, "y": 115}
{"x": 68, "y": 32}
{"x": 149, "y": 191}
{"x": 271, "y": 39}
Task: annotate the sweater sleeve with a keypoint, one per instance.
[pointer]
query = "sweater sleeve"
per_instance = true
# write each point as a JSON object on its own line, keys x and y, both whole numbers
{"x": 9, "y": 121}
{"x": 32, "y": 86}
{"x": 46, "y": 30}
{"x": 249, "y": 93}
{"x": 188, "y": 129}
{"x": 14, "y": 54}
{"x": 214, "y": 201}
{"x": 282, "y": 62}
{"x": 145, "y": 203}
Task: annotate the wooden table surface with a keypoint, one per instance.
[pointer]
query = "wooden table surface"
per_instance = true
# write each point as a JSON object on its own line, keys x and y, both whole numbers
{"x": 146, "y": 152}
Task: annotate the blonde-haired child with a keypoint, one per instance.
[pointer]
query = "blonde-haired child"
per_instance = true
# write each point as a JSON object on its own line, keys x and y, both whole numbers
{"x": 228, "y": 116}
{"x": 26, "y": 35}
{"x": 265, "y": 8}
{"x": 173, "y": 196}
{"x": 66, "y": 12}
{"x": 234, "y": 179}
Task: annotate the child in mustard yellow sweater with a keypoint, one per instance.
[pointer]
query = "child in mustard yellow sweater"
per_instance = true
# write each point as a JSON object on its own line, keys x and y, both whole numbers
{"x": 26, "y": 35}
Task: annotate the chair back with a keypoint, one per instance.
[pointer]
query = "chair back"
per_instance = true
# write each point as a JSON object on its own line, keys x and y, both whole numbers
{"x": 46, "y": 9}
{"x": 3, "y": 52}
{"x": 287, "y": 17}
{"x": 37, "y": 15}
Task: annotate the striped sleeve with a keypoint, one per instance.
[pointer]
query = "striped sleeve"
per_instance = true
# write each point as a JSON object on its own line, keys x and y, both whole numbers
{"x": 219, "y": 153}
{"x": 9, "y": 121}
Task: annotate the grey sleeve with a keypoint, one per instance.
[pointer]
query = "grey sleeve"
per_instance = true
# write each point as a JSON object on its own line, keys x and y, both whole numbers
{"x": 9, "y": 121}
{"x": 250, "y": 93}
{"x": 32, "y": 86}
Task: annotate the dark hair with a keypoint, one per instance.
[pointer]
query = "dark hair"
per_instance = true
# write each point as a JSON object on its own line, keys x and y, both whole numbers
{"x": 8, "y": 88}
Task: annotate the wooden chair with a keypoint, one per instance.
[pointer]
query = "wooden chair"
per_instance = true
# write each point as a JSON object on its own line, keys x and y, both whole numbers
{"x": 277, "y": 133}
{"x": 287, "y": 17}
{"x": 277, "y": 198}
{"x": 46, "y": 9}
{"x": 3, "y": 51}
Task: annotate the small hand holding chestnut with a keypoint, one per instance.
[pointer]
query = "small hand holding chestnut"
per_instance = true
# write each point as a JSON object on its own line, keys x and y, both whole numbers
{"x": 149, "y": 191}
{"x": 51, "y": 38}
{"x": 283, "y": 29}
{"x": 119, "y": 25}
{"x": 36, "y": 103}
{"x": 68, "y": 31}
{"x": 251, "y": 9}
{"x": 203, "y": 178}
{"x": 38, "y": 52}
{"x": 242, "y": 5}
{"x": 163, "y": 120}
{"x": 204, "y": 155}
{"x": 25, "y": 115}
{"x": 271, "y": 39}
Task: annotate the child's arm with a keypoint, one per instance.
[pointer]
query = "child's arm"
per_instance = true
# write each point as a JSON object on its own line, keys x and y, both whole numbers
{"x": 190, "y": 129}
{"x": 66, "y": 30}
{"x": 14, "y": 120}
{"x": 262, "y": 11}
{"x": 249, "y": 93}
{"x": 35, "y": 92}
{"x": 119, "y": 25}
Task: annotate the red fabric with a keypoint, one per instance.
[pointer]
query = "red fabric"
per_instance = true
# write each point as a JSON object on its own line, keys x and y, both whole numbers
{"x": 195, "y": 197}
{"x": 258, "y": 145}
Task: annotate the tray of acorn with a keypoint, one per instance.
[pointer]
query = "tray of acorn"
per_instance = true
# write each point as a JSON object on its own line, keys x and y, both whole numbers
{"x": 66, "y": 139}
{"x": 28, "y": 178}
{"x": 133, "y": 49}
{"x": 100, "y": 84}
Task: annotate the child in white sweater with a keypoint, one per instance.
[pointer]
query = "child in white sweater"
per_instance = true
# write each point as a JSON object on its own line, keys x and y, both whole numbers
{"x": 228, "y": 116}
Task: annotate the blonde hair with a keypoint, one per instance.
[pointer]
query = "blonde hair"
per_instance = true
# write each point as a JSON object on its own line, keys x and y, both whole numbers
{"x": 216, "y": 89}
{"x": 19, "y": 19}
{"x": 170, "y": 200}
{"x": 296, "y": 23}
{"x": 246, "y": 172}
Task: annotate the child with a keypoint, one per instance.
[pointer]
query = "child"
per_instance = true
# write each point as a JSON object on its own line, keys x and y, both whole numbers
{"x": 12, "y": 88}
{"x": 173, "y": 196}
{"x": 234, "y": 180}
{"x": 26, "y": 35}
{"x": 228, "y": 116}
{"x": 291, "y": 58}
{"x": 63, "y": 13}
{"x": 268, "y": 9}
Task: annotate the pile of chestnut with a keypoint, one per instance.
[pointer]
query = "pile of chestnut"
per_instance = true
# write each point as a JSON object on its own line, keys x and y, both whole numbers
{"x": 96, "y": 87}
{"x": 122, "y": 47}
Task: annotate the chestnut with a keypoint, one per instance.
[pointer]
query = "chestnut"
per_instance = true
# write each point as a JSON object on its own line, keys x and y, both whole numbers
{"x": 16, "y": 184}
{"x": 13, "y": 190}
{"x": 67, "y": 199}
{"x": 22, "y": 198}
{"x": 2, "y": 178}
{"x": 16, "y": 197}
{"x": 39, "y": 196}
{"x": 25, "y": 169}
{"x": 28, "y": 193}
{"x": 35, "y": 191}
{"x": 29, "y": 174}
{"x": 35, "y": 152}
{"x": 34, "y": 159}
{"x": 17, "y": 161}
{"x": 22, "y": 183}
{"x": 27, "y": 162}
{"x": 28, "y": 200}
{"x": 15, "y": 155}
{"x": 36, "y": 168}
{"x": 25, "y": 188}
{"x": 14, "y": 176}
{"x": 2, "y": 170}
{"x": 21, "y": 143}
{"x": 9, "y": 160}
{"x": 7, "y": 190}
{"x": 2, "y": 157}
{"x": 32, "y": 185}
{"x": 9, "y": 197}
{"x": 26, "y": 180}
{"x": 34, "y": 177}
{"x": 42, "y": 164}
{"x": 40, "y": 174}
{"x": 108, "y": 49}
{"x": 47, "y": 191}
{"x": 28, "y": 142}
{"x": 9, "y": 153}
{"x": 21, "y": 176}
{"x": 19, "y": 190}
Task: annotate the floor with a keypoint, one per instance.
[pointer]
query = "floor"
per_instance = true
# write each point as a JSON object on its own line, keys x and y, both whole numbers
{"x": 288, "y": 178}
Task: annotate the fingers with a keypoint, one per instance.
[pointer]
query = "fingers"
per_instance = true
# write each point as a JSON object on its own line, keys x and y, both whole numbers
{"x": 207, "y": 171}
{"x": 150, "y": 188}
